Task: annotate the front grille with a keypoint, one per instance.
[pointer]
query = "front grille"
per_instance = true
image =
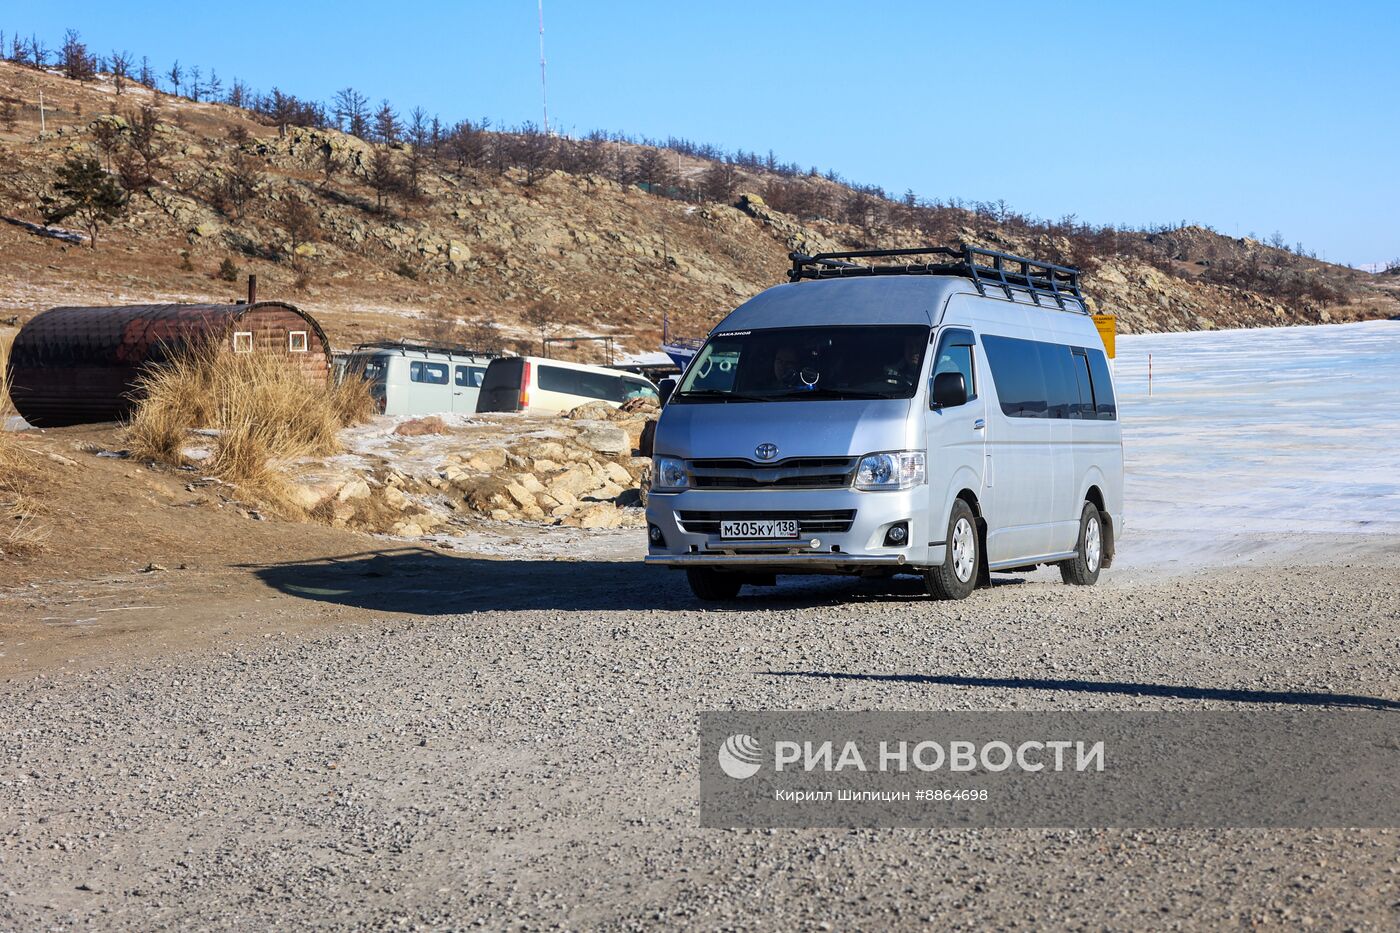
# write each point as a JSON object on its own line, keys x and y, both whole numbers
{"x": 808, "y": 523}
{"x": 793, "y": 473}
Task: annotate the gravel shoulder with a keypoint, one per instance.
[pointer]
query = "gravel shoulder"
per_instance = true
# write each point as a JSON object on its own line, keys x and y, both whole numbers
{"x": 458, "y": 741}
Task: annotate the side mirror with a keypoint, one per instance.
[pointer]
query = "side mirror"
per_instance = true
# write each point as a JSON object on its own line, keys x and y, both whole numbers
{"x": 665, "y": 387}
{"x": 949, "y": 390}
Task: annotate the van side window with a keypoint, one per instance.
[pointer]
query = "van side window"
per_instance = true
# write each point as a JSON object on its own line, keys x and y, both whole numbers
{"x": 1084, "y": 407}
{"x": 1037, "y": 379}
{"x": 955, "y": 356}
{"x": 579, "y": 382}
{"x": 1104, "y": 405}
{"x": 1016, "y": 371}
{"x": 431, "y": 373}
{"x": 1061, "y": 389}
{"x": 470, "y": 377}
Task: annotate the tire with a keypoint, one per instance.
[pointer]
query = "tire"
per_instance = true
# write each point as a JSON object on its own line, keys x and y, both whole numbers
{"x": 956, "y": 577}
{"x": 1083, "y": 569}
{"x": 713, "y": 586}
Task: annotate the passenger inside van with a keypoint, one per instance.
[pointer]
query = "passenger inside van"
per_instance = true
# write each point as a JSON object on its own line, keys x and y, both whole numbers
{"x": 905, "y": 373}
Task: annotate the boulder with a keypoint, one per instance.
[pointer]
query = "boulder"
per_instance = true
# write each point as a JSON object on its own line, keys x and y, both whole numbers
{"x": 421, "y": 426}
{"x": 305, "y": 498}
{"x": 352, "y": 491}
{"x": 605, "y": 439}
{"x": 522, "y": 496}
{"x": 602, "y": 515}
{"x": 617, "y": 473}
{"x": 591, "y": 411}
{"x": 488, "y": 460}
{"x": 571, "y": 484}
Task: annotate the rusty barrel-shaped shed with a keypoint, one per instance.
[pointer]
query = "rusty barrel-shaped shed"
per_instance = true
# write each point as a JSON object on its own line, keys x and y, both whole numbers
{"x": 81, "y": 365}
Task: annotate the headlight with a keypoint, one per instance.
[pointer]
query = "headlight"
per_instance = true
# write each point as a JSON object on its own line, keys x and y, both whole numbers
{"x": 898, "y": 469}
{"x": 669, "y": 475}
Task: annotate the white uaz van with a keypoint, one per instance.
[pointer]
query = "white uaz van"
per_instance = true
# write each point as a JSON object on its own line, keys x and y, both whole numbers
{"x": 545, "y": 386}
{"x": 949, "y": 414}
{"x": 414, "y": 379}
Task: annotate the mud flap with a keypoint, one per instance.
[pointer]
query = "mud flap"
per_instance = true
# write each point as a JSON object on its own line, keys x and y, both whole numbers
{"x": 984, "y": 571}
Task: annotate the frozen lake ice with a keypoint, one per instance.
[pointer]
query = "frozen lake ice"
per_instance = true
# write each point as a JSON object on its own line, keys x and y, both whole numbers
{"x": 1274, "y": 432}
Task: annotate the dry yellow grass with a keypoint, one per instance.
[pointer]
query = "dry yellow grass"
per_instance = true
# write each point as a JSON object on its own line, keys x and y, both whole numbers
{"x": 263, "y": 412}
{"x": 20, "y": 531}
{"x": 352, "y": 402}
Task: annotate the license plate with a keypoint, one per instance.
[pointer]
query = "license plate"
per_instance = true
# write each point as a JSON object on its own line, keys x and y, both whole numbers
{"x": 759, "y": 528}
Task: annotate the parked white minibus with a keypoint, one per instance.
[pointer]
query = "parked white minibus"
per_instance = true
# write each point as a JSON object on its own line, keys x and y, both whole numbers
{"x": 545, "y": 386}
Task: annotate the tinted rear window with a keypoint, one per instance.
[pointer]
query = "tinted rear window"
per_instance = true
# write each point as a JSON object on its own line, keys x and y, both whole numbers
{"x": 1105, "y": 405}
{"x": 500, "y": 389}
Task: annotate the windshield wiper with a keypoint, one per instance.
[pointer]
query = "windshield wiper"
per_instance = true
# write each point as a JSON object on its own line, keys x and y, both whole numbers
{"x": 720, "y": 395}
{"x": 832, "y": 393}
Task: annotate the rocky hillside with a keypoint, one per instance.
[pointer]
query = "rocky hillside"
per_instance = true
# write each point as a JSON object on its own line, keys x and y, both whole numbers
{"x": 216, "y": 193}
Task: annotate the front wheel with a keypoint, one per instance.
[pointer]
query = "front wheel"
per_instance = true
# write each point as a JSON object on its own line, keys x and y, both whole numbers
{"x": 711, "y": 585}
{"x": 1083, "y": 568}
{"x": 956, "y": 577}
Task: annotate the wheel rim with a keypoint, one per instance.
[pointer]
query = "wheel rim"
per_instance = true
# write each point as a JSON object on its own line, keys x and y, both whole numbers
{"x": 1093, "y": 545}
{"x": 964, "y": 550}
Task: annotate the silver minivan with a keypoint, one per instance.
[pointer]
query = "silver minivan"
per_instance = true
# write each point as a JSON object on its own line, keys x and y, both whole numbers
{"x": 948, "y": 412}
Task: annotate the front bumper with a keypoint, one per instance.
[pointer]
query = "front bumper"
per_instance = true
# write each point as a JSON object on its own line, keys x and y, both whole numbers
{"x": 781, "y": 563}
{"x": 858, "y": 549}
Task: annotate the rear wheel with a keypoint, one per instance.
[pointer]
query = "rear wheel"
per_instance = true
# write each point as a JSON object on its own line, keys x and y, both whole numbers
{"x": 711, "y": 585}
{"x": 956, "y": 577}
{"x": 1083, "y": 568}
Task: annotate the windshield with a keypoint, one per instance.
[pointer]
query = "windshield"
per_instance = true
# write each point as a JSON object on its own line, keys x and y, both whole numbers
{"x": 806, "y": 363}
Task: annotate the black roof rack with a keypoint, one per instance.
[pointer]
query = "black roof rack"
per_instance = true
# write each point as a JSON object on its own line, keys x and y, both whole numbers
{"x": 985, "y": 267}
{"x": 423, "y": 346}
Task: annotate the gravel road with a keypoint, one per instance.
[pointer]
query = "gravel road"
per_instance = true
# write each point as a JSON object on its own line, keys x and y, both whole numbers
{"x": 530, "y": 765}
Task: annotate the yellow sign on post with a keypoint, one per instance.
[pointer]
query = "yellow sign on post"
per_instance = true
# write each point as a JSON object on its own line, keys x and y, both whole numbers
{"x": 1108, "y": 332}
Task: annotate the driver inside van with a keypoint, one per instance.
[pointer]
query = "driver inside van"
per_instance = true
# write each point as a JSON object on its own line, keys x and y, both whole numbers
{"x": 785, "y": 367}
{"x": 905, "y": 371}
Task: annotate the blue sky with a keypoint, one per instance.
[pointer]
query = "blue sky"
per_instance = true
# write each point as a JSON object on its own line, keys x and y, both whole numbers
{"x": 1251, "y": 117}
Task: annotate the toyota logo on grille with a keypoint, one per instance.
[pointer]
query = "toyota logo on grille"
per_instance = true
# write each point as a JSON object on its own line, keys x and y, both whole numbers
{"x": 766, "y": 451}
